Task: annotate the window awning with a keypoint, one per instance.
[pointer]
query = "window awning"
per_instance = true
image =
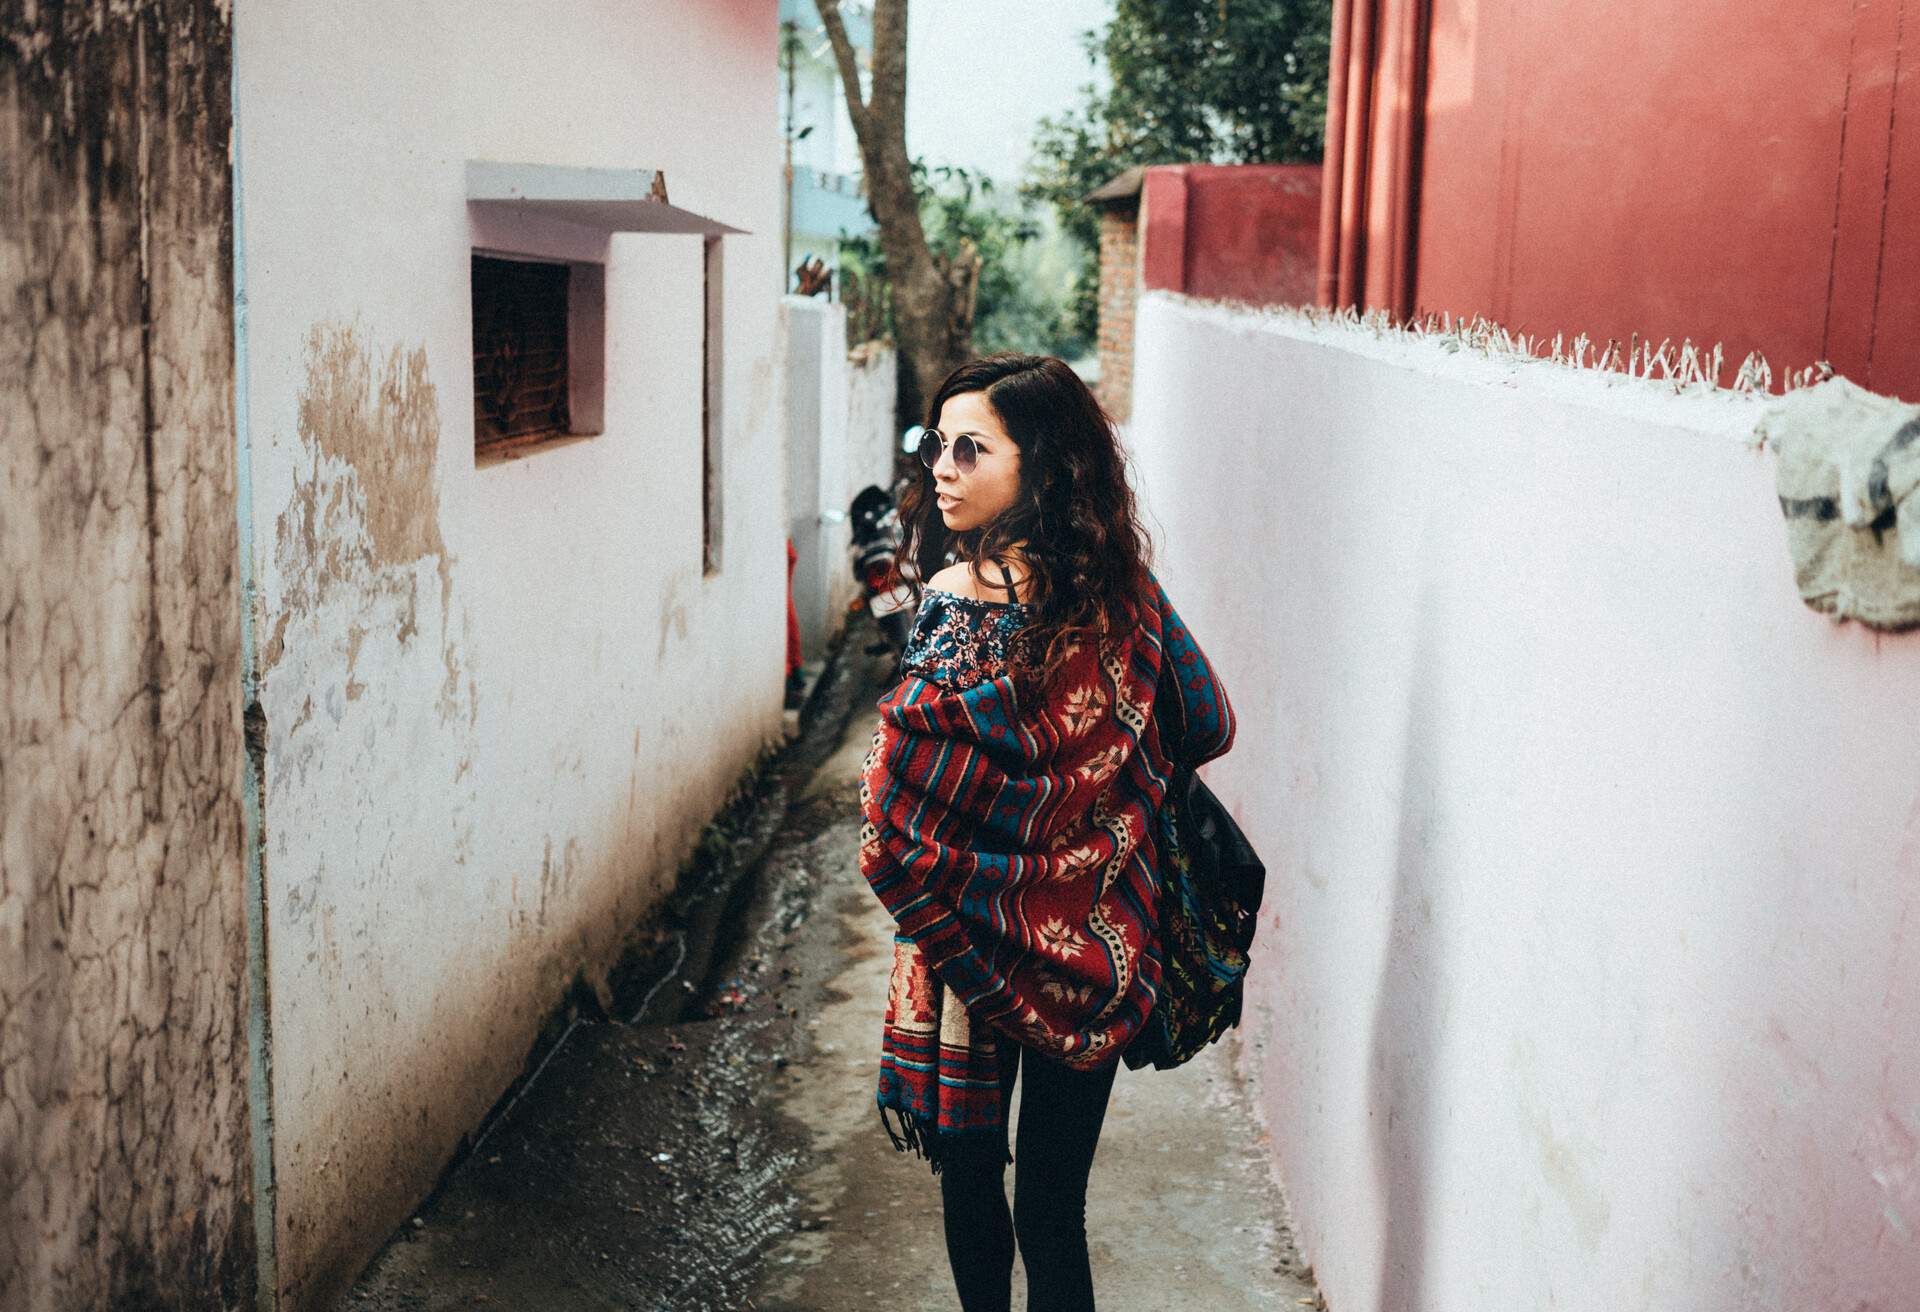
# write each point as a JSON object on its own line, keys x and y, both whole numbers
{"x": 613, "y": 200}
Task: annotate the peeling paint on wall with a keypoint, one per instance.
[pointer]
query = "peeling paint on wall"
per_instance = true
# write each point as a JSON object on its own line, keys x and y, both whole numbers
{"x": 364, "y": 511}
{"x": 366, "y": 502}
{"x": 351, "y": 667}
{"x": 478, "y": 771}
{"x": 387, "y": 427}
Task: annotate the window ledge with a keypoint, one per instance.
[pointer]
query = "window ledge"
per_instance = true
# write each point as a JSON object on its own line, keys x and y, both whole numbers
{"x": 505, "y": 453}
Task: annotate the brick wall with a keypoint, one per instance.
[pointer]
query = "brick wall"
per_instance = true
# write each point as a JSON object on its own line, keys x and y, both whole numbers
{"x": 1119, "y": 289}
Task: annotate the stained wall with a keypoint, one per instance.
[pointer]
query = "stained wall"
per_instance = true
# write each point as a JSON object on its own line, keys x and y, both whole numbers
{"x": 499, "y": 698}
{"x": 124, "y": 1138}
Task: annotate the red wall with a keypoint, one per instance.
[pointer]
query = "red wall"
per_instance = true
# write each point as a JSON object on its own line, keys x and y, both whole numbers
{"x": 1244, "y": 232}
{"x": 1740, "y": 171}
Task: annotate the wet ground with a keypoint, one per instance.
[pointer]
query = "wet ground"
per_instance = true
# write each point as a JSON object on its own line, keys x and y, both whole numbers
{"x": 722, "y": 1152}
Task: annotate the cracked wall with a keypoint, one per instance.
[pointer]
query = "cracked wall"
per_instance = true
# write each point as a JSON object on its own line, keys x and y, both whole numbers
{"x": 124, "y": 1160}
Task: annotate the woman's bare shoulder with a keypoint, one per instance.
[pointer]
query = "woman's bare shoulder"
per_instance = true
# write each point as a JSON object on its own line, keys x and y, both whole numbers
{"x": 959, "y": 579}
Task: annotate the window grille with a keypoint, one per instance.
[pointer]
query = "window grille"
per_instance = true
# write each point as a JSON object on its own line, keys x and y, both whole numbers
{"x": 520, "y": 360}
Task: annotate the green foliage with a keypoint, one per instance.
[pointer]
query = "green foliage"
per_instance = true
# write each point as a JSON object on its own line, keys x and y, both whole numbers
{"x": 1018, "y": 306}
{"x": 1192, "y": 82}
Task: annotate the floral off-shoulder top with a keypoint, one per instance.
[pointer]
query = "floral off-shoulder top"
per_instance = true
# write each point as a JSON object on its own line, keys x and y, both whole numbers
{"x": 958, "y": 642}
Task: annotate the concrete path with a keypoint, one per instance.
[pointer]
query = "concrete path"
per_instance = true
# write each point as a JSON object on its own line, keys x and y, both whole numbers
{"x": 1182, "y": 1211}
{"x": 724, "y": 1153}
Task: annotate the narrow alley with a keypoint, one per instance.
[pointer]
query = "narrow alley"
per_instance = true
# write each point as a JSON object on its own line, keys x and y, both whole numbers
{"x": 730, "y": 1157}
{"x": 441, "y": 448}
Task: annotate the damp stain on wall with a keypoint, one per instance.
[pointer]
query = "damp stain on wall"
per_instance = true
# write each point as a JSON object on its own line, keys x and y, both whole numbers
{"x": 366, "y": 499}
{"x": 385, "y": 424}
{"x": 125, "y": 1148}
{"x": 359, "y": 658}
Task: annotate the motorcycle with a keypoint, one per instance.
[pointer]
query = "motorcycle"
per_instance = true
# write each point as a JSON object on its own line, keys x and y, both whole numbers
{"x": 875, "y": 539}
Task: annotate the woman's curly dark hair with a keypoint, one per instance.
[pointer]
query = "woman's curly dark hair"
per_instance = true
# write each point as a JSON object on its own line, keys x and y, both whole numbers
{"x": 1074, "y": 522}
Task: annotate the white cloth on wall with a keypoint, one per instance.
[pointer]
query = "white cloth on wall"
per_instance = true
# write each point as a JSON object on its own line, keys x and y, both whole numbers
{"x": 1848, "y": 465}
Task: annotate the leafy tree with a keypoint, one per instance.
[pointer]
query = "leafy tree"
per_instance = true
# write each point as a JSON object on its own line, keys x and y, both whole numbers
{"x": 1191, "y": 82}
{"x": 965, "y": 216}
{"x": 931, "y": 297}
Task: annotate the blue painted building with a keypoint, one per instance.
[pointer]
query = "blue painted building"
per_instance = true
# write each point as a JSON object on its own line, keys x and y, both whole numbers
{"x": 825, "y": 199}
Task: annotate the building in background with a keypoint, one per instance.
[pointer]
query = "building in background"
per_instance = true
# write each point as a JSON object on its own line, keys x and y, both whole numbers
{"x": 839, "y": 407}
{"x": 1237, "y": 232}
{"x": 1119, "y": 204}
{"x": 1649, "y": 172}
{"x": 825, "y": 201}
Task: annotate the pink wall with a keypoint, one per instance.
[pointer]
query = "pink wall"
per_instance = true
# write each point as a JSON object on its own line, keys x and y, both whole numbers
{"x": 1740, "y": 171}
{"x": 1242, "y": 232}
{"x": 1590, "y": 964}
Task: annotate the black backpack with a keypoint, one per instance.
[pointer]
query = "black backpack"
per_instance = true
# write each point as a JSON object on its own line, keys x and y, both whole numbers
{"x": 1211, "y": 883}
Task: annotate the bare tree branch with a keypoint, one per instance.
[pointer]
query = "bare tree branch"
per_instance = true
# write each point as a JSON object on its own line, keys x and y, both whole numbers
{"x": 932, "y": 298}
{"x": 843, "y": 55}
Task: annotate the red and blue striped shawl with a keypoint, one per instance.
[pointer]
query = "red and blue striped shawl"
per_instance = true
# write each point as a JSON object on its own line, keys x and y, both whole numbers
{"x": 1009, "y": 832}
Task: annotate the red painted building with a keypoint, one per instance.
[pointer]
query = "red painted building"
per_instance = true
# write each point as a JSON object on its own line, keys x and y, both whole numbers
{"x": 1736, "y": 171}
{"x": 1238, "y": 232}
{"x": 1241, "y": 232}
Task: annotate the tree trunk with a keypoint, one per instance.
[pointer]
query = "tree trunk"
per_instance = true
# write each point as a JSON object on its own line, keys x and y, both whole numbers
{"x": 932, "y": 296}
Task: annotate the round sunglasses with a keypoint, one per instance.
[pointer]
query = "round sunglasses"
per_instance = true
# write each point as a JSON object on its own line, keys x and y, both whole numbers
{"x": 966, "y": 454}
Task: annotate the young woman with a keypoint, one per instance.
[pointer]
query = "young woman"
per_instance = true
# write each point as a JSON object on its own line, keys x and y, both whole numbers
{"x": 1009, "y": 800}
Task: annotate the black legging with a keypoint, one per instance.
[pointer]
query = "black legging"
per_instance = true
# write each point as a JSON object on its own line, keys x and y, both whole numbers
{"x": 1060, "y": 1116}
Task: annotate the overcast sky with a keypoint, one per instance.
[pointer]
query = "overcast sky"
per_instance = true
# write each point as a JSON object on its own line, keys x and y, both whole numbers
{"x": 981, "y": 73}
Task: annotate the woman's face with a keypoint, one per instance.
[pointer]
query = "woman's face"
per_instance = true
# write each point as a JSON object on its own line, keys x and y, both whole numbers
{"x": 968, "y": 500}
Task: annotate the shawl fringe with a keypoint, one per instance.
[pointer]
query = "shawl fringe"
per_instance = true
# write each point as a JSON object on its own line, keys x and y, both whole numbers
{"x": 914, "y": 1135}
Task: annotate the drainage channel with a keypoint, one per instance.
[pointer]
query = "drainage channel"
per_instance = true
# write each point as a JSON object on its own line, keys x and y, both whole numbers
{"x": 640, "y": 1159}
{"x": 677, "y": 966}
{"x": 705, "y": 921}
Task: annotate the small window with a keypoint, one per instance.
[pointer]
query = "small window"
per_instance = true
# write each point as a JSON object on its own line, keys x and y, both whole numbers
{"x": 536, "y": 329}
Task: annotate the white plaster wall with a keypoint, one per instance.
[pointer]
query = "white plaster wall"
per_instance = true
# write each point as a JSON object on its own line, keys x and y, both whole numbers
{"x": 815, "y": 391}
{"x": 1590, "y": 966}
{"x": 499, "y": 701}
{"x": 873, "y": 374}
{"x": 840, "y": 439}
{"x": 872, "y": 380}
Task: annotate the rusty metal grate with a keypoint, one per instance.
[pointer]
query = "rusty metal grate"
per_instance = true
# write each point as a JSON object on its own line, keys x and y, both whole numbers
{"x": 520, "y": 379}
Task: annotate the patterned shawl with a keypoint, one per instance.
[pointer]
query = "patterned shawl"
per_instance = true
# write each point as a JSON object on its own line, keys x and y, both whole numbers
{"x": 1009, "y": 832}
